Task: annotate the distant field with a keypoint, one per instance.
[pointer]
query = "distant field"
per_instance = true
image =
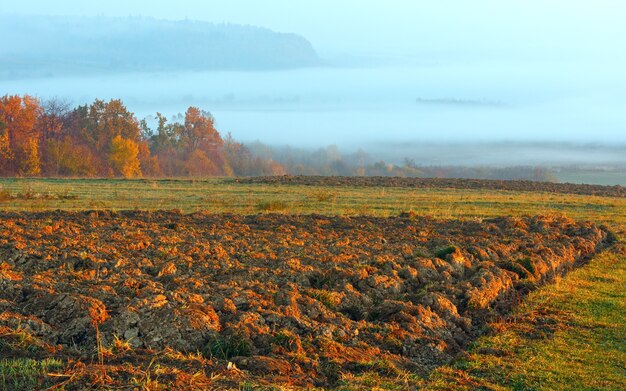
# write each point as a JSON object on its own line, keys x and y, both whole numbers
{"x": 442, "y": 183}
{"x": 567, "y": 335}
{"x": 607, "y": 178}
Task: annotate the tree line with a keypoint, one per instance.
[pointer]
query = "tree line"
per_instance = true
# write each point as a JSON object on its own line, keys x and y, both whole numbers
{"x": 104, "y": 139}
{"x": 330, "y": 161}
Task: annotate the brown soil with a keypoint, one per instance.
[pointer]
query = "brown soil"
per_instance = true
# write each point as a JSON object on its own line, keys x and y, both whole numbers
{"x": 287, "y": 299}
{"x": 438, "y": 183}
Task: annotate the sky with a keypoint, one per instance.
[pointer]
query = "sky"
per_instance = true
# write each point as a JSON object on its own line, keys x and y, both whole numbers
{"x": 557, "y": 67}
{"x": 581, "y": 30}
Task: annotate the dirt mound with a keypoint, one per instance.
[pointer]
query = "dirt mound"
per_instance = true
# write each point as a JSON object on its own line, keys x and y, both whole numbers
{"x": 308, "y": 297}
{"x": 440, "y": 183}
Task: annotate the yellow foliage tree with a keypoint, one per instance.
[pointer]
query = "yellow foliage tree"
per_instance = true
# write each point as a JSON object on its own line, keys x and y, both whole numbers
{"x": 30, "y": 165}
{"x": 124, "y": 157}
{"x": 5, "y": 147}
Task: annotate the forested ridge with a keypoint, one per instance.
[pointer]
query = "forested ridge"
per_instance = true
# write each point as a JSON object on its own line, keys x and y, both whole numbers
{"x": 54, "y": 45}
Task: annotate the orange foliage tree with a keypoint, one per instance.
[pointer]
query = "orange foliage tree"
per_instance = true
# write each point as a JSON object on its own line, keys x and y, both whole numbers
{"x": 201, "y": 144}
{"x": 19, "y": 143}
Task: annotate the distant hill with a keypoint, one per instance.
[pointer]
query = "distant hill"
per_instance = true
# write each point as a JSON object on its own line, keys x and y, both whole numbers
{"x": 55, "y": 45}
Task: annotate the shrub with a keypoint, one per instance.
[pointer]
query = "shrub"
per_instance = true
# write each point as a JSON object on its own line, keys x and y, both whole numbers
{"x": 226, "y": 347}
{"x": 443, "y": 251}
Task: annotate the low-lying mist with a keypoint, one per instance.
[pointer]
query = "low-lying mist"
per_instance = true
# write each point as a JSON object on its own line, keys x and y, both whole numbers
{"x": 353, "y": 107}
{"x": 552, "y": 162}
{"x": 444, "y": 111}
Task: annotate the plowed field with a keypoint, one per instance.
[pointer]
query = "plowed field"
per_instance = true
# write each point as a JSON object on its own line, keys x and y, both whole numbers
{"x": 291, "y": 300}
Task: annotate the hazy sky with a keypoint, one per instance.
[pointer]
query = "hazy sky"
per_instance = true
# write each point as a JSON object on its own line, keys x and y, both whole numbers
{"x": 556, "y": 65}
{"x": 543, "y": 29}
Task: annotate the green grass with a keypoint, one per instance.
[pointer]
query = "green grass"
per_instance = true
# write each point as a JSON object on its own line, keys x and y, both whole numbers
{"x": 226, "y": 347}
{"x": 225, "y": 195}
{"x": 27, "y": 374}
{"x": 568, "y": 335}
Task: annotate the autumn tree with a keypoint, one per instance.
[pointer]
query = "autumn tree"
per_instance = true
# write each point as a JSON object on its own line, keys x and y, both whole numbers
{"x": 198, "y": 164}
{"x": 244, "y": 163}
{"x": 105, "y": 121}
{"x": 6, "y": 154}
{"x": 54, "y": 149}
{"x": 237, "y": 156}
{"x": 201, "y": 144}
{"x": 164, "y": 146}
{"x": 191, "y": 148}
{"x": 124, "y": 157}
{"x": 19, "y": 140}
{"x": 52, "y": 119}
{"x": 148, "y": 163}
{"x": 198, "y": 131}
{"x": 66, "y": 157}
{"x": 98, "y": 125}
